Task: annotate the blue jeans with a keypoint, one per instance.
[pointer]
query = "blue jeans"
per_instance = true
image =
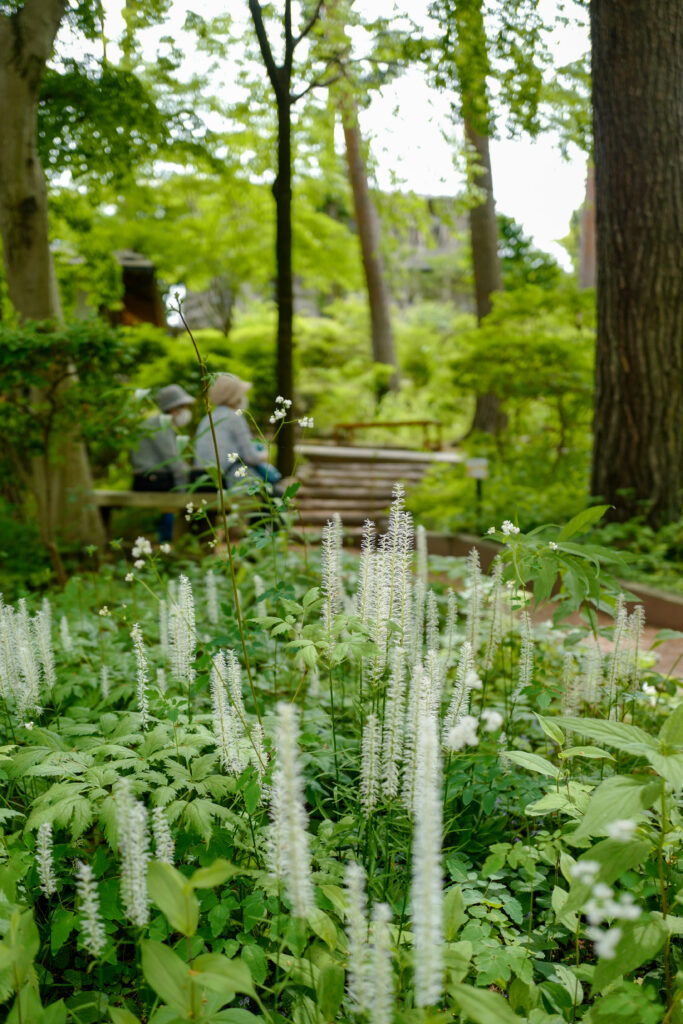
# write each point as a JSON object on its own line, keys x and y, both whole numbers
{"x": 268, "y": 473}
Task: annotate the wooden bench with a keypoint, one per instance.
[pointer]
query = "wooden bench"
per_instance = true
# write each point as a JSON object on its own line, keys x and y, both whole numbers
{"x": 167, "y": 501}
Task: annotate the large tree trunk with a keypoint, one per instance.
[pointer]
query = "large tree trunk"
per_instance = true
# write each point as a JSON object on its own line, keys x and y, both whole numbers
{"x": 26, "y": 40}
{"x": 638, "y": 127}
{"x": 282, "y": 190}
{"x": 367, "y": 225}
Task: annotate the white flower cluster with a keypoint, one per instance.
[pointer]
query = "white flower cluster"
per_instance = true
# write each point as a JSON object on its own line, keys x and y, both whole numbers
{"x": 241, "y": 472}
{"x": 183, "y": 633}
{"x": 189, "y": 509}
{"x": 211, "y": 597}
{"x": 129, "y": 577}
{"x": 141, "y": 548}
{"x": 281, "y": 407}
{"x": 231, "y": 457}
{"x": 306, "y": 422}
{"x": 602, "y": 906}
{"x": 621, "y": 829}
{"x": 370, "y": 983}
{"x": 163, "y": 840}
{"x": 143, "y": 676}
{"x": 131, "y": 821}
{"x": 463, "y": 734}
{"x": 552, "y": 545}
{"x": 26, "y": 656}
{"x": 165, "y": 549}
{"x": 65, "y": 634}
{"x": 508, "y": 528}
{"x": 104, "y": 611}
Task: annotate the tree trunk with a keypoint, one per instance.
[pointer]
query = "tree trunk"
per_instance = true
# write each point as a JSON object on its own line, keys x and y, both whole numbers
{"x": 488, "y": 275}
{"x": 26, "y": 40}
{"x": 368, "y": 227}
{"x": 282, "y": 191}
{"x": 638, "y": 127}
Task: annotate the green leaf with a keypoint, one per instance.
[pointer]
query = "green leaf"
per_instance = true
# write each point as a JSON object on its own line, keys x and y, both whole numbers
{"x": 55, "y": 1013}
{"x": 671, "y": 733}
{"x": 219, "y": 973}
{"x": 582, "y": 522}
{"x": 534, "y": 762}
{"x": 614, "y": 858}
{"x": 628, "y": 738}
{"x": 453, "y": 912}
{"x": 173, "y": 894}
{"x": 550, "y": 729}
{"x": 252, "y": 796}
{"x": 255, "y": 959}
{"x": 215, "y": 874}
{"x": 621, "y": 796}
{"x": 669, "y": 766}
{"x": 592, "y": 753}
{"x": 329, "y": 988}
{"x": 323, "y": 926}
{"x": 63, "y": 924}
{"x": 483, "y": 1006}
{"x": 167, "y": 974}
{"x": 122, "y": 1016}
{"x": 640, "y": 941}
{"x": 311, "y": 597}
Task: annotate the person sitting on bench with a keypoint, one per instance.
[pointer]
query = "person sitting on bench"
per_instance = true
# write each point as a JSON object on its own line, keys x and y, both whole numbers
{"x": 157, "y": 463}
{"x": 237, "y": 450}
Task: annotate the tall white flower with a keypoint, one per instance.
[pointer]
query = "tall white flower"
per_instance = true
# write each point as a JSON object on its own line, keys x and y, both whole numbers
{"x": 474, "y": 602}
{"x": 258, "y": 755}
{"x": 465, "y": 681}
{"x": 45, "y": 861}
{"x": 211, "y": 597}
{"x": 289, "y": 853}
{"x": 259, "y": 606}
{"x": 416, "y": 709}
{"x": 65, "y": 634}
{"x": 42, "y": 631}
{"x": 234, "y": 684}
{"x": 358, "y": 980}
{"x": 526, "y": 656}
{"x": 615, "y": 662}
{"x": 592, "y": 675}
{"x": 366, "y": 574}
{"x": 93, "y": 935}
{"x": 398, "y": 574}
{"x": 143, "y": 674}
{"x": 417, "y": 634}
{"x": 9, "y": 668}
{"x": 104, "y": 682}
{"x": 422, "y": 554}
{"x": 370, "y": 764}
{"x": 331, "y": 554}
{"x": 451, "y": 623}
{"x": 163, "y": 840}
{"x": 497, "y": 608}
{"x": 426, "y": 893}
{"x": 381, "y": 1008}
{"x": 394, "y": 715}
{"x": 163, "y": 627}
{"x": 636, "y": 625}
{"x": 433, "y": 680}
{"x": 161, "y": 680}
{"x": 227, "y": 728}
{"x": 131, "y": 821}
{"x": 183, "y": 631}
{"x": 432, "y": 623}
{"x": 27, "y": 693}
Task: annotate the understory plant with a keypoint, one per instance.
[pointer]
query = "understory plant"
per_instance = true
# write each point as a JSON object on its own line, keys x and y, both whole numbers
{"x": 323, "y": 786}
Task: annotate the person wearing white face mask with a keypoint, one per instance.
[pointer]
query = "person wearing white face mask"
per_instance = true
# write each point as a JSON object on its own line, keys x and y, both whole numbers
{"x": 157, "y": 463}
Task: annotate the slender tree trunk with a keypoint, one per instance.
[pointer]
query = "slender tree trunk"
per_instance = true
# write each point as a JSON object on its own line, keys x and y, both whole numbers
{"x": 282, "y": 191}
{"x": 368, "y": 227}
{"x": 488, "y": 275}
{"x": 26, "y": 40}
{"x": 638, "y": 128}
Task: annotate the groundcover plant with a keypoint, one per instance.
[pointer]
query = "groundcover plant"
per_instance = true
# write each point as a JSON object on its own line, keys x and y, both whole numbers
{"x": 341, "y": 789}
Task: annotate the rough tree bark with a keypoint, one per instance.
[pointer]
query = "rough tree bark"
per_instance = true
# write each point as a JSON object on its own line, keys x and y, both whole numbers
{"x": 638, "y": 132}
{"x": 368, "y": 227}
{"x": 26, "y": 41}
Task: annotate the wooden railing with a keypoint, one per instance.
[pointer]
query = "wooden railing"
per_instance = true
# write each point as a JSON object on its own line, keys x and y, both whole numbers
{"x": 431, "y": 431}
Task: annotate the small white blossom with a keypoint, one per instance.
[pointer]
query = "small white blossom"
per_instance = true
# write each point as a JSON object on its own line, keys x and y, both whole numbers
{"x": 129, "y": 577}
{"x": 493, "y": 719}
{"x": 140, "y": 393}
{"x": 139, "y": 563}
{"x": 605, "y": 942}
{"x": 621, "y": 829}
{"x": 232, "y": 457}
{"x": 141, "y": 547}
{"x": 241, "y": 472}
{"x": 28, "y": 725}
{"x": 239, "y": 412}
{"x": 552, "y": 545}
{"x": 463, "y": 734}
{"x": 165, "y": 549}
{"x": 491, "y": 529}
{"x": 104, "y": 611}
{"x": 189, "y": 508}
{"x": 509, "y": 528}
{"x": 585, "y": 871}
{"x": 306, "y": 422}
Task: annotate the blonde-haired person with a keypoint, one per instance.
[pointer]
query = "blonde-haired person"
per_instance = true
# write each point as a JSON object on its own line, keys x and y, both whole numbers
{"x": 236, "y": 447}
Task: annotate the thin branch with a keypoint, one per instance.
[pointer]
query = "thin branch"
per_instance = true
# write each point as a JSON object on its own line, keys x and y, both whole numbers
{"x": 317, "y": 83}
{"x": 309, "y": 24}
{"x": 266, "y": 52}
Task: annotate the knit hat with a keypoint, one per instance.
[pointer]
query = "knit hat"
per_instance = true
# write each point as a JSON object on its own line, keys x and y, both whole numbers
{"x": 173, "y": 396}
{"x": 228, "y": 390}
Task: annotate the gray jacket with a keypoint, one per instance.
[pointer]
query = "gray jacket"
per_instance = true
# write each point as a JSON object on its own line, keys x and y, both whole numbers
{"x": 158, "y": 449}
{"x": 232, "y": 436}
